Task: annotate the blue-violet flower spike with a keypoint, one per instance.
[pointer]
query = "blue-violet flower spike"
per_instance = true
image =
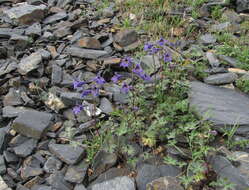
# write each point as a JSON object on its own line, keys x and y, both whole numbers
{"x": 116, "y": 78}
{"x": 125, "y": 88}
{"x": 77, "y": 109}
{"x": 86, "y": 93}
{"x": 125, "y": 62}
{"x": 77, "y": 84}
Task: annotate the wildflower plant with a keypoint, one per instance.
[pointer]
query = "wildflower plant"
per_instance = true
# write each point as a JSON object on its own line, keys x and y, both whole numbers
{"x": 158, "y": 110}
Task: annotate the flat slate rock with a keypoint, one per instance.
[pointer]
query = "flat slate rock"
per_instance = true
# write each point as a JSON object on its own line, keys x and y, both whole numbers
{"x": 118, "y": 183}
{"x": 219, "y": 79}
{"x": 224, "y": 107}
{"x": 67, "y": 153}
{"x": 32, "y": 123}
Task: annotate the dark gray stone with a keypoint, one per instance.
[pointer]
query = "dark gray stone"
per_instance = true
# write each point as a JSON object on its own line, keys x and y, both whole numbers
{"x": 231, "y": 61}
{"x": 219, "y": 79}
{"x": 126, "y": 37}
{"x": 106, "y": 106}
{"x": 118, "y": 183}
{"x": 56, "y": 74}
{"x": 8, "y": 32}
{"x": 212, "y": 59}
{"x": 26, "y": 14}
{"x": 225, "y": 169}
{"x": 3, "y": 140}
{"x": 2, "y": 166}
{"x": 224, "y": 107}
{"x": 63, "y": 3}
{"x": 10, "y": 111}
{"x": 164, "y": 183}
{"x": 76, "y": 173}
{"x": 67, "y": 153}
{"x": 29, "y": 63}
{"x": 85, "y": 53}
{"x": 7, "y": 67}
{"x": 34, "y": 30}
{"x": 25, "y": 149}
{"x": 80, "y": 187}
{"x": 55, "y": 18}
{"x": 41, "y": 187}
{"x": 57, "y": 181}
{"x": 242, "y": 6}
{"x": 28, "y": 171}
{"x": 13, "y": 98}
{"x": 147, "y": 173}
{"x": 19, "y": 41}
{"x": 52, "y": 165}
{"x": 32, "y": 123}
{"x": 10, "y": 157}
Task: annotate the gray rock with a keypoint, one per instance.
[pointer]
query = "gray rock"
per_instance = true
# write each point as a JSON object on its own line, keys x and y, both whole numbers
{"x": 32, "y": 123}
{"x": 231, "y": 61}
{"x": 3, "y": 185}
{"x": 13, "y": 98}
{"x": 219, "y": 79}
{"x": 3, "y": 140}
{"x": 52, "y": 165}
{"x": 55, "y": 18}
{"x": 242, "y": 158}
{"x": 67, "y": 153}
{"x": 207, "y": 39}
{"x": 85, "y": 53}
{"x": 226, "y": 26}
{"x": 108, "y": 12}
{"x": 19, "y": 41}
{"x": 118, "y": 183}
{"x": 30, "y": 63}
{"x": 44, "y": 53}
{"x": 63, "y": 3}
{"x": 147, "y": 173}
{"x": 7, "y": 67}
{"x": 80, "y": 187}
{"x": 212, "y": 59}
{"x": 106, "y": 106}
{"x": 56, "y": 74}
{"x": 225, "y": 169}
{"x": 89, "y": 43}
{"x": 164, "y": 183}
{"x": 110, "y": 174}
{"x": 224, "y": 107}
{"x": 150, "y": 63}
{"x": 126, "y": 37}
{"x": 76, "y": 173}
{"x": 57, "y": 181}
{"x": 28, "y": 171}
{"x": 10, "y": 157}
{"x": 2, "y": 166}
{"x": 34, "y": 30}
{"x": 231, "y": 16}
{"x": 102, "y": 162}
{"x": 10, "y": 111}
{"x": 25, "y": 149}
{"x": 26, "y": 14}
{"x": 242, "y": 6}
{"x": 41, "y": 187}
{"x": 216, "y": 70}
{"x": 8, "y": 32}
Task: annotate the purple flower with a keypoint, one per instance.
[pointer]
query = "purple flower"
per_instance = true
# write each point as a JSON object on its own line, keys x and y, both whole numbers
{"x": 95, "y": 91}
{"x": 154, "y": 50}
{"x": 77, "y": 84}
{"x": 167, "y": 57}
{"x": 86, "y": 93}
{"x": 77, "y": 109}
{"x": 116, "y": 77}
{"x": 146, "y": 77}
{"x": 148, "y": 46}
{"x": 138, "y": 70}
{"x": 99, "y": 80}
{"x": 125, "y": 88}
{"x": 161, "y": 42}
{"x": 125, "y": 62}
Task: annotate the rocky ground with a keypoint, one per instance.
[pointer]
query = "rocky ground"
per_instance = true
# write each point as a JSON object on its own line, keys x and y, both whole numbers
{"x": 48, "y": 44}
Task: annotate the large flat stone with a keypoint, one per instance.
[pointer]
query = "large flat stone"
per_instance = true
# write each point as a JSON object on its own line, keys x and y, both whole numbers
{"x": 86, "y": 53}
{"x": 224, "y": 107}
{"x": 32, "y": 123}
{"x": 30, "y": 63}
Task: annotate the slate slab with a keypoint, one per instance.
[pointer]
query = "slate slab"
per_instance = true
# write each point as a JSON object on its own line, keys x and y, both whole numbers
{"x": 32, "y": 123}
{"x": 224, "y": 107}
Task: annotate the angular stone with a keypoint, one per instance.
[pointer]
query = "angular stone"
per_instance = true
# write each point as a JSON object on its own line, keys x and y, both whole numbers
{"x": 76, "y": 173}
{"x": 226, "y": 26}
{"x": 80, "y": 187}
{"x": 3, "y": 185}
{"x": 224, "y": 107}
{"x": 2, "y": 166}
{"x": 55, "y": 18}
{"x": 13, "y": 98}
{"x": 231, "y": 61}
{"x": 225, "y": 169}
{"x": 56, "y": 74}
{"x": 147, "y": 173}
{"x": 28, "y": 171}
{"x": 90, "y": 43}
{"x": 212, "y": 59}
{"x": 20, "y": 42}
{"x": 207, "y": 39}
{"x": 164, "y": 183}
{"x": 242, "y": 158}
{"x": 231, "y": 16}
{"x": 126, "y": 37}
{"x": 10, "y": 111}
{"x": 118, "y": 183}
{"x": 85, "y": 53}
{"x": 25, "y": 149}
{"x": 67, "y": 153}
{"x": 26, "y": 14}
{"x": 52, "y": 165}
{"x": 41, "y": 187}
{"x": 242, "y": 6}
{"x": 57, "y": 181}
{"x": 3, "y": 140}
{"x": 8, "y": 32}
{"x": 219, "y": 79}
{"x": 10, "y": 157}
{"x": 8, "y": 67}
{"x": 34, "y": 30}
{"x": 30, "y": 63}
{"x": 32, "y": 123}
{"x": 106, "y": 106}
